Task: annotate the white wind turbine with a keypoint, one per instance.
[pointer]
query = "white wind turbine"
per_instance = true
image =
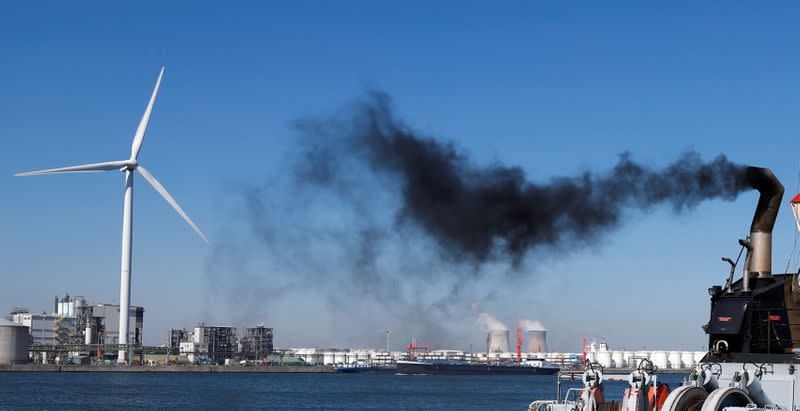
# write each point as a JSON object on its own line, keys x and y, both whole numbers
{"x": 129, "y": 166}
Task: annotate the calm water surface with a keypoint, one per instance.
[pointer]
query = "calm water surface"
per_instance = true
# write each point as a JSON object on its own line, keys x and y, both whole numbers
{"x": 277, "y": 391}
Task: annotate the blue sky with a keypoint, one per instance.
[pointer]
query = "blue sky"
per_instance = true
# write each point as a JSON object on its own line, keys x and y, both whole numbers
{"x": 553, "y": 89}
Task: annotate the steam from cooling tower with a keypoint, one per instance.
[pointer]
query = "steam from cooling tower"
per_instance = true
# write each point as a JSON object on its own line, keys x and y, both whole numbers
{"x": 488, "y": 322}
{"x": 490, "y": 212}
{"x": 537, "y": 335}
{"x": 531, "y": 325}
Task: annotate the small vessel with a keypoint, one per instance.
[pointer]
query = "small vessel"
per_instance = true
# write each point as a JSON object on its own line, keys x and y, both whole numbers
{"x": 454, "y": 367}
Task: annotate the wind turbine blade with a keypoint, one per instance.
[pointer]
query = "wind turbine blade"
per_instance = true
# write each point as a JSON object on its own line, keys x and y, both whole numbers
{"x": 86, "y": 168}
{"x": 163, "y": 191}
{"x": 139, "y": 136}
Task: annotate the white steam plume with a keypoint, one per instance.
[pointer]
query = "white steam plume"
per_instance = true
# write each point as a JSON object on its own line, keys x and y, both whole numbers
{"x": 531, "y": 325}
{"x": 488, "y": 322}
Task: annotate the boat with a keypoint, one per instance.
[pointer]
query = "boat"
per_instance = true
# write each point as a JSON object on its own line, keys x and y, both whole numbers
{"x": 453, "y": 367}
{"x": 753, "y": 336}
{"x": 366, "y": 368}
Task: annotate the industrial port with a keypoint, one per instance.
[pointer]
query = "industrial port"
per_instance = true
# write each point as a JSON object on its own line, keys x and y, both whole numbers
{"x": 79, "y": 334}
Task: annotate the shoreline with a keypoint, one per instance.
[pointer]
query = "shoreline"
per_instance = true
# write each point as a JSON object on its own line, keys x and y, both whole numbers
{"x": 169, "y": 368}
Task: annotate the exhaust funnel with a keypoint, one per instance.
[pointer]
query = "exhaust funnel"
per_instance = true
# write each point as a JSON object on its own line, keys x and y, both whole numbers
{"x": 769, "y": 202}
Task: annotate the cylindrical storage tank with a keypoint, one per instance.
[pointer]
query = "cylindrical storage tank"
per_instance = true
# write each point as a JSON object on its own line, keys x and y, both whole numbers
{"x": 13, "y": 343}
{"x": 88, "y": 335}
{"x": 327, "y": 358}
{"x": 537, "y": 341}
{"x": 638, "y": 356}
{"x": 627, "y": 358}
{"x": 604, "y": 358}
{"x": 339, "y": 358}
{"x": 618, "y": 359}
{"x": 674, "y": 359}
{"x": 498, "y": 341}
{"x": 687, "y": 359}
{"x": 659, "y": 359}
{"x": 591, "y": 357}
{"x": 698, "y": 355}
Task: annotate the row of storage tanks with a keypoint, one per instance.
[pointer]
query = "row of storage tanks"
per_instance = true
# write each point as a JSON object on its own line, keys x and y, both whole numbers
{"x": 631, "y": 359}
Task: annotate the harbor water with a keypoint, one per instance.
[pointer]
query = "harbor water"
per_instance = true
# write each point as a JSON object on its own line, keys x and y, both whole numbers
{"x": 40, "y": 390}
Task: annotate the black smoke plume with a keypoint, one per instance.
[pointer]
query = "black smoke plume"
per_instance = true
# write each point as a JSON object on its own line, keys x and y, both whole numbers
{"x": 497, "y": 212}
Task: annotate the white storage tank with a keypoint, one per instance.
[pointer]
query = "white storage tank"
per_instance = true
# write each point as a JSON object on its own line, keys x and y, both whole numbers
{"x": 659, "y": 359}
{"x": 627, "y": 358}
{"x": 604, "y": 358}
{"x": 328, "y": 358}
{"x": 591, "y": 357}
{"x": 698, "y": 355}
{"x": 13, "y": 343}
{"x": 687, "y": 359}
{"x": 638, "y": 356}
{"x": 618, "y": 359}
{"x": 674, "y": 358}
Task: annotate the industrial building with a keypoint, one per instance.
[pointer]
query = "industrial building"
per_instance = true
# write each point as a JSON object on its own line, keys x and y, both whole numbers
{"x": 210, "y": 344}
{"x": 109, "y": 315}
{"x": 46, "y": 329}
{"x": 256, "y": 343}
{"x": 74, "y": 321}
{"x": 175, "y": 338}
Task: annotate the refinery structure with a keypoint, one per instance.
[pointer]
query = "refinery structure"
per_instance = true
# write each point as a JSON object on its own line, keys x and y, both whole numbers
{"x": 78, "y": 331}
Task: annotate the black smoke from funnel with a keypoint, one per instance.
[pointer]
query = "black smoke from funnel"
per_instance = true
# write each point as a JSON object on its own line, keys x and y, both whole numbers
{"x": 496, "y": 212}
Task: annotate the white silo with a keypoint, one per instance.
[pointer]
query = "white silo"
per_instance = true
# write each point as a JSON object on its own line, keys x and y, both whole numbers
{"x": 604, "y": 358}
{"x": 537, "y": 341}
{"x": 627, "y": 359}
{"x": 674, "y": 359}
{"x": 498, "y": 341}
{"x": 618, "y": 359}
{"x": 687, "y": 359}
{"x": 591, "y": 357}
{"x": 659, "y": 359}
{"x": 13, "y": 343}
{"x": 638, "y": 356}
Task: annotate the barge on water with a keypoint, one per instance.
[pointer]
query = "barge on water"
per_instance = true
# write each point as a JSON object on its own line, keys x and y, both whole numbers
{"x": 450, "y": 367}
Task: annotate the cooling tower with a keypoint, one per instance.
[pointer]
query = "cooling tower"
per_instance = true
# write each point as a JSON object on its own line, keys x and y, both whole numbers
{"x": 498, "y": 341}
{"x": 537, "y": 341}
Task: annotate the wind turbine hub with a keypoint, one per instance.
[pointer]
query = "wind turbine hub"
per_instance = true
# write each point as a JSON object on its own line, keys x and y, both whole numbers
{"x": 132, "y": 165}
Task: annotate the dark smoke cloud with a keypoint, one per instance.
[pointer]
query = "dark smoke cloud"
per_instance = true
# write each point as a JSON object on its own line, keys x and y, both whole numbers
{"x": 496, "y": 212}
{"x": 378, "y": 225}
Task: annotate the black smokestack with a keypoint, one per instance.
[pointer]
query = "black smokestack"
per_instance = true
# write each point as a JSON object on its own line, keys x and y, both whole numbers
{"x": 496, "y": 211}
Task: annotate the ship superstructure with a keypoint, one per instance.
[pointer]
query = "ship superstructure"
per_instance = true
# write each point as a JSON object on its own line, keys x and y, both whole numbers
{"x": 753, "y": 337}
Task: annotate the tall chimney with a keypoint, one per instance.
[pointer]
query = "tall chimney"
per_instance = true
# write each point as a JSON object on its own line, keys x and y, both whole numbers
{"x": 498, "y": 341}
{"x": 769, "y": 202}
{"x": 537, "y": 341}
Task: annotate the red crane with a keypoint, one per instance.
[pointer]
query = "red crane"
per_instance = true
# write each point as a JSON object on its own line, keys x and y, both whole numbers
{"x": 413, "y": 347}
{"x": 519, "y": 344}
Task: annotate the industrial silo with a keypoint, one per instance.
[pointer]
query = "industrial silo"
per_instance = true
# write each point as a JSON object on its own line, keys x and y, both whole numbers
{"x": 659, "y": 359}
{"x": 687, "y": 359}
{"x": 618, "y": 359}
{"x": 498, "y": 341}
{"x": 638, "y": 356}
{"x": 674, "y": 359}
{"x": 537, "y": 341}
{"x": 13, "y": 343}
{"x": 604, "y": 358}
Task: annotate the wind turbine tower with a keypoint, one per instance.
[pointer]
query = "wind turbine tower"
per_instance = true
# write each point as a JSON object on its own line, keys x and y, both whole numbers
{"x": 129, "y": 167}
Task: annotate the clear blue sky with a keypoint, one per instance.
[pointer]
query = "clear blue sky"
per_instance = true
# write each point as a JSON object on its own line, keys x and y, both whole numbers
{"x": 555, "y": 90}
